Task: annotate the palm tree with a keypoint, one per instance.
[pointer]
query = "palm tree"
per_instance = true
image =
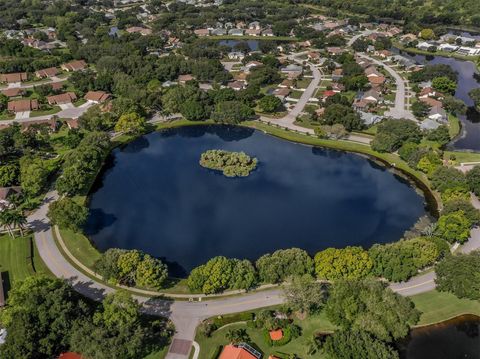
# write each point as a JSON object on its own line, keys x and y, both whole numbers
{"x": 18, "y": 219}
{"x": 236, "y": 336}
{"x": 5, "y": 221}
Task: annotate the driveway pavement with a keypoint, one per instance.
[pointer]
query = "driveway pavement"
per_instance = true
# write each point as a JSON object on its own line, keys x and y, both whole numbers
{"x": 399, "y": 110}
{"x": 22, "y": 115}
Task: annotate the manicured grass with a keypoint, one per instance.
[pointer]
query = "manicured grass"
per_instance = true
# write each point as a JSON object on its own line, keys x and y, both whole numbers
{"x": 50, "y": 111}
{"x": 6, "y": 116}
{"x": 454, "y": 126}
{"x": 83, "y": 250}
{"x": 310, "y": 326}
{"x": 79, "y": 102}
{"x": 463, "y": 156}
{"x": 295, "y": 94}
{"x": 439, "y": 306}
{"x": 302, "y": 84}
{"x": 80, "y": 247}
{"x": 19, "y": 259}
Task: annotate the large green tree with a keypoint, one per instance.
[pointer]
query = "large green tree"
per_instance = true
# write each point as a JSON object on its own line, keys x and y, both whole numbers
{"x": 347, "y": 263}
{"x": 39, "y": 317}
{"x": 66, "y": 213}
{"x": 366, "y": 305}
{"x": 460, "y": 275}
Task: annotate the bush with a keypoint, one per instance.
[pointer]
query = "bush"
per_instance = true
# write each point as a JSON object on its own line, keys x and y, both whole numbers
{"x": 220, "y": 321}
{"x": 444, "y": 178}
{"x": 401, "y": 260}
{"x": 290, "y": 332}
{"x": 281, "y": 264}
{"x": 460, "y": 275}
{"x": 348, "y": 263}
{"x": 454, "y": 227}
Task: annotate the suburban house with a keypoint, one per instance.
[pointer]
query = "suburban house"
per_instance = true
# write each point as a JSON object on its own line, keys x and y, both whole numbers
{"x": 97, "y": 96}
{"x": 183, "y": 79}
{"x": 371, "y": 71}
{"x": 218, "y": 32}
{"x": 372, "y": 96}
{"x": 201, "y": 32}
{"x": 254, "y": 25}
{"x": 13, "y": 92}
{"x": 268, "y": 32}
{"x": 236, "y": 55}
{"x": 77, "y": 65}
{"x": 6, "y": 193}
{"x": 335, "y": 50}
{"x": 13, "y": 77}
{"x": 438, "y": 114}
{"x": 326, "y": 94}
{"x": 337, "y": 74}
{"x": 235, "y": 32}
{"x": 253, "y": 32}
{"x": 70, "y": 355}
{"x": 292, "y": 71}
{"x": 237, "y": 85}
{"x": 45, "y": 73}
{"x": 377, "y": 81}
{"x": 431, "y": 102}
{"x": 63, "y": 98}
{"x": 240, "y": 351}
{"x": 286, "y": 84}
{"x": 23, "y": 105}
{"x": 252, "y": 64}
{"x": 281, "y": 93}
{"x": 139, "y": 30}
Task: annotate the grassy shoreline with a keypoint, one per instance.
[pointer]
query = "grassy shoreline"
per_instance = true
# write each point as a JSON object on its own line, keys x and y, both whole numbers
{"x": 474, "y": 59}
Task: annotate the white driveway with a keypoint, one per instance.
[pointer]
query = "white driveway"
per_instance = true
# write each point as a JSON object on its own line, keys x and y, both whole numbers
{"x": 22, "y": 115}
{"x": 66, "y": 106}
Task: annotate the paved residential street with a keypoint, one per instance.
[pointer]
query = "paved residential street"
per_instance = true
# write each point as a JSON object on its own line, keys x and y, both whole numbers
{"x": 399, "y": 110}
{"x": 187, "y": 315}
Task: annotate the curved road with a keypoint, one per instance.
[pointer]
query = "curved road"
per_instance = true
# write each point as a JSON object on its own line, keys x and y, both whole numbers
{"x": 187, "y": 315}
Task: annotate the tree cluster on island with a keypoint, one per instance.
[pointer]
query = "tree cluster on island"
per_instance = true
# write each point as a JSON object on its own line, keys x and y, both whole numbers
{"x": 232, "y": 164}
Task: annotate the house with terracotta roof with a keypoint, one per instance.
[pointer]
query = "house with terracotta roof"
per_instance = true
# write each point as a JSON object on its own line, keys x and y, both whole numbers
{"x": 77, "y": 65}
{"x": 240, "y": 351}
{"x": 276, "y": 335}
{"x": 13, "y": 77}
{"x": 139, "y": 30}
{"x": 376, "y": 81}
{"x": 431, "y": 102}
{"x": 63, "y": 98}
{"x": 183, "y": 79}
{"x": 253, "y": 32}
{"x": 201, "y": 32}
{"x": 237, "y": 85}
{"x": 13, "y": 92}
{"x": 23, "y": 105}
{"x": 97, "y": 96}
{"x": 46, "y": 73}
{"x": 70, "y": 355}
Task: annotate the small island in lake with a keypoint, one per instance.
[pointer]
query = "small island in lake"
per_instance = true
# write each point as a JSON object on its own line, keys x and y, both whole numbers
{"x": 232, "y": 164}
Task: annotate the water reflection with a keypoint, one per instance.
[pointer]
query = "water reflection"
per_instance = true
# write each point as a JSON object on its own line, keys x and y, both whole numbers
{"x": 164, "y": 203}
{"x": 452, "y": 339}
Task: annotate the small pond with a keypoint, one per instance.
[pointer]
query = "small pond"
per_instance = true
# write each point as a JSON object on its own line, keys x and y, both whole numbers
{"x": 154, "y": 196}
{"x": 470, "y": 137}
{"x": 453, "y": 339}
{"x": 252, "y": 44}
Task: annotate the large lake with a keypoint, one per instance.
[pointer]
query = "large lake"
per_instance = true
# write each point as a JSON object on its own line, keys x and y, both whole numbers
{"x": 153, "y": 195}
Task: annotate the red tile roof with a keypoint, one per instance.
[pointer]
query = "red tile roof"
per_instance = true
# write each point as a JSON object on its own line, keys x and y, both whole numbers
{"x": 97, "y": 96}
{"x": 13, "y": 92}
{"x": 22, "y": 105}
{"x": 62, "y": 98}
{"x": 13, "y": 77}
{"x": 276, "y": 334}
{"x": 232, "y": 352}
{"x": 70, "y": 355}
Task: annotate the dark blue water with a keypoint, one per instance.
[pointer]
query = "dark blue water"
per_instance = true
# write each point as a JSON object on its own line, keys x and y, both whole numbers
{"x": 253, "y": 44}
{"x": 468, "y": 79}
{"x": 453, "y": 339}
{"x": 155, "y": 196}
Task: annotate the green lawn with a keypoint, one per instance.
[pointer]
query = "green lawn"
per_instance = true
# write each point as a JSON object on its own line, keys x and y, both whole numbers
{"x": 439, "y": 306}
{"x": 82, "y": 249}
{"x": 295, "y": 94}
{"x": 50, "y": 111}
{"x": 454, "y": 126}
{"x": 310, "y": 326}
{"x": 303, "y": 84}
{"x": 463, "y": 156}
{"x": 19, "y": 259}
